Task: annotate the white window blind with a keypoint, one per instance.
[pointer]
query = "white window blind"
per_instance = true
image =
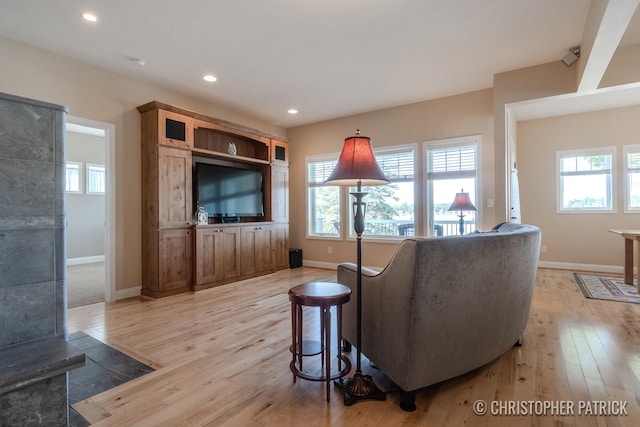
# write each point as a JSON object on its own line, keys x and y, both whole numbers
{"x": 319, "y": 171}
{"x": 397, "y": 166}
{"x": 452, "y": 161}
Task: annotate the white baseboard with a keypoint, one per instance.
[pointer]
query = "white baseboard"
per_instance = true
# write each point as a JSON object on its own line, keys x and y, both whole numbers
{"x": 542, "y": 264}
{"x": 128, "y": 293}
{"x": 320, "y": 264}
{"x": 582, "y": 267}
{"x": 332, "y": 265}
{"x": 85, "y": 260}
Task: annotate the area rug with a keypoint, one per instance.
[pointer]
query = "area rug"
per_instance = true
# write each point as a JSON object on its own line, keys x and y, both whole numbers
{"x": 610, "y": 288}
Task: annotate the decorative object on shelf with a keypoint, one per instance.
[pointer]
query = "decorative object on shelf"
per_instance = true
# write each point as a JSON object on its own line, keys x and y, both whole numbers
{"x": 357, "y": 166}
{"x": 462, "y": 203}
{"x": 232, "y": 149}
{"x": 202, "y": 217}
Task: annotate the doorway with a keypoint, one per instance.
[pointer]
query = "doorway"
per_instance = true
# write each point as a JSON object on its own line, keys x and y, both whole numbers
{"x": 90, "y": 211}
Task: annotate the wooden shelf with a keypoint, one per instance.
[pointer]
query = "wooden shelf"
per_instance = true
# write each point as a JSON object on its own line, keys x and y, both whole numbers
{"x": 208, "y": 153}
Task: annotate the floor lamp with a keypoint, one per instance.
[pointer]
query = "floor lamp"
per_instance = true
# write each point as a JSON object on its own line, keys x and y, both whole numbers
{"x": 462, "y": 202}
{"x": 357, "y": 166}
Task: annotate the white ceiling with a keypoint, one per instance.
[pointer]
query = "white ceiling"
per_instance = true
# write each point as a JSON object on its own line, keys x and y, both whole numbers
{"x": 327, "y": 58}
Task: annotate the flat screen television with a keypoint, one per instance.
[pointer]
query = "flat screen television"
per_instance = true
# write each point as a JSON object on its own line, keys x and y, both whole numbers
{"x": 228, "y": 191}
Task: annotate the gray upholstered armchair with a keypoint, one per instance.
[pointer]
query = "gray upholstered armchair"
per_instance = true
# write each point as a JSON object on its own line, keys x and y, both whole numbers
{"x": 444, "y": 306}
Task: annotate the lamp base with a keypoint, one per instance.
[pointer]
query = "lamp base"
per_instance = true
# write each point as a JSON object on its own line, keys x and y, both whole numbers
{"x": 359, "y": 387}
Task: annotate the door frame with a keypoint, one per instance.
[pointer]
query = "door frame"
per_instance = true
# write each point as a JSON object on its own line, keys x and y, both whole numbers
{"x": 110, "y": 201}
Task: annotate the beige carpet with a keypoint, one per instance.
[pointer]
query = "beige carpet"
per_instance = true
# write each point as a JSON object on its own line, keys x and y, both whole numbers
{"x": 85, "y": 284}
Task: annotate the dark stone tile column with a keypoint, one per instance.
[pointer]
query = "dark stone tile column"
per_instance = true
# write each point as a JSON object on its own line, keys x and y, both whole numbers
{"x": 32, "y": 247}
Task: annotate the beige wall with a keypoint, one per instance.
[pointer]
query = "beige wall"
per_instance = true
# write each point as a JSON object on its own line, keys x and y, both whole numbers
{"x": 624, "y": 67}
{"x": 468, "y": 114}
{"x": 575, "y": 238}
{"x": 539, "y": 81}
{"x": 96, "y": 94}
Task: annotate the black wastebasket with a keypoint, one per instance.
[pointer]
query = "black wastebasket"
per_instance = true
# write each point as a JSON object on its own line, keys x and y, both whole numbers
{"x": 295, "y": 258}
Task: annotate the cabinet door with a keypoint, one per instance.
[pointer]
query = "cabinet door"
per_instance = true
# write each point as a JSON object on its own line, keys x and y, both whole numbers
{"x": 174, "y": 187}
{"x": 256, "y": 248}
{"x": 280, "y": 193}
{"x": 174, "y": 260}
{"x": 281, "y": 246}
{"x": 217, "y": 254}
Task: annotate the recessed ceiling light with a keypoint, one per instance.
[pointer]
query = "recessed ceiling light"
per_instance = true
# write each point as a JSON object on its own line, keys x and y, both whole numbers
{"x": 292, "y": 111}
{"x": 209, "y": 78}
{"x": 138, "y": 61}
{"x": 88, "y": 16}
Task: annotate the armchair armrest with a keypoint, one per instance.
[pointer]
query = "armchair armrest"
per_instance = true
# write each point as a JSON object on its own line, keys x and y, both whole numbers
{"x": 369, "y": 272}
{"x": 387, "y": 309}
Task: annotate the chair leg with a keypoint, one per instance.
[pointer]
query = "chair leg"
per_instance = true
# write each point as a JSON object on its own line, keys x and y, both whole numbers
{"x": 518, "y": 343}
{"x": 408, "y": 400}
{"x": 346, "y": 346}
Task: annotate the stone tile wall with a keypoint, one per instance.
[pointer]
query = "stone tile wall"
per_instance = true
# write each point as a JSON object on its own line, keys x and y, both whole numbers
{"x": 32, "y": 220}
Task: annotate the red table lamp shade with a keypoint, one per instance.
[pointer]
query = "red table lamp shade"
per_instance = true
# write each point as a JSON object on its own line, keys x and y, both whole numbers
{"x": 462, "y": 203}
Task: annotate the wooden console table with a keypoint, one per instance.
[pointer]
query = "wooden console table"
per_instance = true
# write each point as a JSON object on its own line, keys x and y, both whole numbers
{"x": 629, "y": 237}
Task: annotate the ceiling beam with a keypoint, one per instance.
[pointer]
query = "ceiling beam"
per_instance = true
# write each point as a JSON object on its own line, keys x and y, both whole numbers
{"x": 606, "y": 24}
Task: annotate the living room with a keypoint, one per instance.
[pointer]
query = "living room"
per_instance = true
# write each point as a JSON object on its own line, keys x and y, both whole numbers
{"x": 572, "y": 241}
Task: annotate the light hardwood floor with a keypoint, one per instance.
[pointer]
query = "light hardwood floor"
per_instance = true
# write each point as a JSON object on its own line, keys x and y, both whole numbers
{"x": 222, "y": 358}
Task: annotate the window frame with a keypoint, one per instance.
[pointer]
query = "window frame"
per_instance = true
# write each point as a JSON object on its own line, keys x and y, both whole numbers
{"x": 586, "y": 152}
{"x": 626, "y": 149}
{"x": 310, "y": 219}
{"x": 381, "y": 151}
{"x": 88, "y": 186}
{"x": 80, "y": 168}
{"x": 450, "y": 143}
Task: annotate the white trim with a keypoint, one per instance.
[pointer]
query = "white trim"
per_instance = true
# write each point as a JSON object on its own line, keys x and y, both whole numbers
{"x": 89, "y": 167}
{"x": 320, "y": 264}
{"x": 128, "y": 293}
{"x": 85, "y": 260}
{"x": 587, "y": 152}
{"x": 626, "y": 149}
{"x": 80, "y": 168}
{"x": 541, "y": 264}
{"x": 110, "y": 205}
{"x": 581, "y": 267}
{"x": 333, "y": 265}
{"x": 445, "y": 143}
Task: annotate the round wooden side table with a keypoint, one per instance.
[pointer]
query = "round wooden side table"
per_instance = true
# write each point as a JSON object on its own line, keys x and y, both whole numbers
{"x": 323, "y": 295}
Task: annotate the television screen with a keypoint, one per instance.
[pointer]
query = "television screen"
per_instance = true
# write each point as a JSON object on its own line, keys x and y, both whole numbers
{"x": 229, "y": 191}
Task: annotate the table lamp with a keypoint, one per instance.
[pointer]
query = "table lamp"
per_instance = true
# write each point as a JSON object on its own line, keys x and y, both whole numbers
{"x": 462, "y": 203}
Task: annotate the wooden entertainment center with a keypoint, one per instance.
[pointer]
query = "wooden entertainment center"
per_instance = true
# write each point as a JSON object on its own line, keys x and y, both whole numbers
{"x": 177, "y": 254}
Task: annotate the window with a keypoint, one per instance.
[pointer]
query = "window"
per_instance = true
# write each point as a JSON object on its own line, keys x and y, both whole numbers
{"x": 323, "y": 213}
{"x": 585, "y": 180}
{"x": 451, "y": 167}
{"x": 95, "y": 179}
{"x": 632, "y": 173}
{"x": 73, "y": 177}
{"x": 390, "y": 208}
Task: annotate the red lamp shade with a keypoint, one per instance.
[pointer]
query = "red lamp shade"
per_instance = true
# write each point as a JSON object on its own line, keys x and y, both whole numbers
{"x": 462, "y": 203}
{"x": 357, "y": 164}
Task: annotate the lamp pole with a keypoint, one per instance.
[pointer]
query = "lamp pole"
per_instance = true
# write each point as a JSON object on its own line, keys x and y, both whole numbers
{"x": 360, "y": 386}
